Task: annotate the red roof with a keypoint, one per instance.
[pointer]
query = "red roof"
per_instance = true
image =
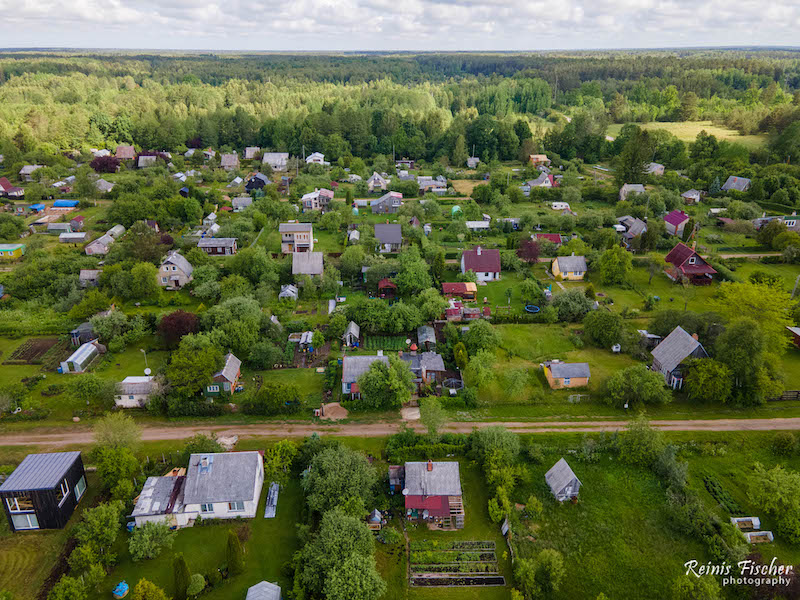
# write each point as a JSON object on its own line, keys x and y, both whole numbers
{"x": 226, "y": 208}
{"x": 554, "y": 238}
{"x": 481, "y": 260}
{"x": 5, "y": 184}
{"x": 437, "y": 506}
{"x": 676, "y": 217}
{"x": 454, "y": 289}
{"x": 386, "y": 283}
{"x": 78, "y": 218}
{"x": 679, "y": 257}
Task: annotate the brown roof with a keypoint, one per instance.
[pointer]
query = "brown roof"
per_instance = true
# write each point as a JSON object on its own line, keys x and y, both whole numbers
{"x": 679, "y": 257}
{"x": 125, "y": 152}
{"x": 481, "y": 260}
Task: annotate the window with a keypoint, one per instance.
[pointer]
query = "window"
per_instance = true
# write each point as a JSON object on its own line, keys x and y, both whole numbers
{"x": 20, "y": 504}
{"x": 213, "y": 388}
{"x": 80, "y": 487}
{"x": 206, "y": 508}
{"x": 566, "y": 380}
{"x": 26, "y": 521}
{"x": 62, "y": 492}
{"x": 163, "y": 280}
{"x": 235, "y": 506}
{"x": 578, "y": 273}
{"x": 174, "y": 268}
{"x": 692, "y": 260}
{"x": 790, "y": 223}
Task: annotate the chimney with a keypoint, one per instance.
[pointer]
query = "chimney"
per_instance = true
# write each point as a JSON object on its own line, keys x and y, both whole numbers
{"x": 694, "y": 245}
{"x": 430, "y": 465}
{"x": 479, "y": 250}
{"x": 694, "y": 337}
{"x": 573, "y": 254}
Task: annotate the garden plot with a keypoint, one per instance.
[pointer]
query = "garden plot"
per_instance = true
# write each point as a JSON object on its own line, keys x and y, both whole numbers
{"x": 37, "y": 351}
{"x": 456, "y": 563}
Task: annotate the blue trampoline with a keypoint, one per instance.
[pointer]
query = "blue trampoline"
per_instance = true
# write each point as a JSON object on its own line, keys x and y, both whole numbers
{"x": 532, "y": 308}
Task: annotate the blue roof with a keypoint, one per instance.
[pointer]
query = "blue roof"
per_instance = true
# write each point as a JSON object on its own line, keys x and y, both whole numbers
{"x": 64, "y": 203}
{"x": 38, "y": 206}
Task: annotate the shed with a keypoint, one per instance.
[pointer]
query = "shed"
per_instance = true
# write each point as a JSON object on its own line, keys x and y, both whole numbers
{"x": 562, "y": 481}
{"x": 264, "y": 591}
{"x": 307, "y": 263}
{"x": 565, "y": 375}
{"x": 76, "y": 237}
{"x": 351, "y": 334}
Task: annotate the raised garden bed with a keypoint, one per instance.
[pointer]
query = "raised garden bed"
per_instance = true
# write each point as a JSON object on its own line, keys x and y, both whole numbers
{"x": 457, "y": 581}
{"x": 449, "y": 556}
{"x": 454, "y": 545}
{"x": 467, "y": 567}
{"x": 454, "y": 564}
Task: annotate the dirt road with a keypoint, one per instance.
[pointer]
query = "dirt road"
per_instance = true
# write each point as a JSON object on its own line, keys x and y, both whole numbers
{"x": 82, "y": 436}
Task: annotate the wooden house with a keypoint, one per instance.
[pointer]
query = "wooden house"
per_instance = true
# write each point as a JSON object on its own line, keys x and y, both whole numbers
{"x": 562, "y": 481}
{"x": 566, "y": 375}
{"x": 685, "y": 263}
{"x": 225, "y": 380}
{"x": 670, "y": 355}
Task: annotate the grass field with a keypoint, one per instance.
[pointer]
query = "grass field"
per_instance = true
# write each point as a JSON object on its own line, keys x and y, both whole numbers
{"x": 687, "y": 131}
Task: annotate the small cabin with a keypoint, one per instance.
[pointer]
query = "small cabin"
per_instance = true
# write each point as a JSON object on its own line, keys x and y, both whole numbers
{"x": 562, "y": 481}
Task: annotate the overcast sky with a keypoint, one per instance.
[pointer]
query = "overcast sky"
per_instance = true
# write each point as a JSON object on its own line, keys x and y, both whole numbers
{"x": 320, "y": 25}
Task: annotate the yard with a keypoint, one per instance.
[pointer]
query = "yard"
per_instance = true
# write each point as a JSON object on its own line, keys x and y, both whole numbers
{"x": 687, "y": 131}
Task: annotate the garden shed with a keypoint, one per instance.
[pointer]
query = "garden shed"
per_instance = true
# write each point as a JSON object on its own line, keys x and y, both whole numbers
{"x": 562, "y": 481}
{"x": 351, "y": 334}
{"x": 264, "y": 591}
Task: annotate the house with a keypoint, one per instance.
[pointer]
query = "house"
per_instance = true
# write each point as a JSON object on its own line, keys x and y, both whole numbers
{"x": 250, "y": 152}
{"x": 795, "y": 331}
{"x": 389, "y": 203}
{"x": 125, "y": 152}
{"x": 792, "y": 222}
{"x": 427, "y": 367}
{"x": 473, "y": 162}
{"x": 11, "y": 251}
{"x": 218, "y": 246}
{"x": 241, "y": 202}
{"x": 210, "y": 220}
{"x": 737, "y": 184}
{"x": 235, "y": 182}
{"x": 676, "y": 222}
{"x": 692, "y": 196}
{"x": 571, "y": 268}
{"x": 175, "y": 271}
{"x": 257, "y": 181}
{"x": 351, "y": 334}
{"x": 562, "y": 481}
{"x": 316, "y": 158}
{"x": 208, "y": 154}
{"x": 146, "y": 161}
{"x": 319, "y": 199}
{"x": 436, "y": 186}
{"x": 229, "y": 162}
{"x": 631, "y": 229}
{"x": 389, "y": 236}
{"x": 225, "y": 380}
{"x": 630, "y": 188}
{"x": 276, "y": 160}
{"x": 162, "y": 501}
{"x": 99, "y": 246}
{"x": 426, "y": 338}
{"x": 377, "y": 183}
{"x": 484, "y": 263}
{"x": 686, "y": 263}
{"x": 466, "y": 290}
{"x": 296, "y": 237}
{"x": 264, "y": 591}
{"x": 10, "y": 191}
{"x": 289, "y": 291}
{"x": 566, "y": 375}
{"x": 307, "y": 263}
{"x": 432, "y": 492}
{"x": 654, "y": 168}
{"x": 538, "y": 159}
{"x": 43, "y": 491}
{"x": 135, "y": 390}
{"x": 76, "y": 223}
{"x": 475, "y": 226}
{"x": 79, "y": 360}
{"x": 103, "y": 186}
{"x": 59, "y": 228}
{"x": 223, "y": 485}
{"x": 77, "y": 237}
{"x": 404, "y": 164}
{"x": 353, "y": 367}
{"x": 554, "y": 238}
{"x": 544, "y": 180}
{"x": 26, "y": 172}
{"x": 670, "y": 354}
{"x": 89, "y": 277}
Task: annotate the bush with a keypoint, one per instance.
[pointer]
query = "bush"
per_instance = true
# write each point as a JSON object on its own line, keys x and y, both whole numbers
{"x": 784, "y": 443}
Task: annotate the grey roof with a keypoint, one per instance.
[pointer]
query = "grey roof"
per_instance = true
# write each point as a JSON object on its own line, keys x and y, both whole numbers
{"x": 137, "y": 385}
{"x": 674, "y": 349}
{"x": 307, "y": 263}
{"x": 103, "y": 185}
{"x": 654, "y": 167}
{"x": 216, "y": 243}
{"x": 693, "y": 193}
{"x": 571, "y": 264}
{"x": 264, "y": 591}
{"x": 389, "y": 233}
{"x": 572, "y": 370}
{"x": 637, "y": 227}
{"x": 288, "y": 291}
{"x": 294, "y": 227}
{"x": 275, "y": 158}
{"x": 59, "y": 227}
{"x": 636, "y": 188}
{"x": 250, "y": 152}
{"x": 354, "y": 367}
{"x": 352, "y": 329}
{"x": 229, "y": 160}
{"x": 430, "y": 361}
{"x": 155, "y": 496}
{"x": 736, "y": 183}
{"x": 426, "y": 333}
{"x": 231, "y": 368}
{"x": 230, "y": 476}
{"x": 177, "y": 259}
{"x": 559, "y": 476}
{"x": 39, "y": 471}
{"x": 242, "y": 201}
{"x": 442, "y": 480}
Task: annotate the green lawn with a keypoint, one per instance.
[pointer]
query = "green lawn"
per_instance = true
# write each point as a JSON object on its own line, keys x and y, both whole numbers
{"x": 687, "y": 131}
{"x": 272, "y": 543}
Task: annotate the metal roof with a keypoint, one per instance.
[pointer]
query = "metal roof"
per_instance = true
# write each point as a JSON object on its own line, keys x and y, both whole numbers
{"x": 570, "y": 370}
{"x": 231, "y": 368}
{"x": 294, "y": 227}
{"x": 307, "y": 263}
{"x": 389, "y": 233}
{"x": 571, "y": 264}
{"x": 40, "y": 471}
{"x": 156, "y": 495}
{"x": 216, "y": 243}
{"x": 354, "y": 367}
{"x": 230, "y": 477}
{"x": 674, "y": 349}
{"x": 442, "y": 480}
{"x": 264, "y": 591}
{"x": 559, "y": 476}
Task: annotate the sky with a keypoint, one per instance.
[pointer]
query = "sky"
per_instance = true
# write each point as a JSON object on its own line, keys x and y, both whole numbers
{"x": 410, "y": 25}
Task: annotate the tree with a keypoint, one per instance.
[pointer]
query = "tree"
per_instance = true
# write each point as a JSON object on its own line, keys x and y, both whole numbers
{"x": 192, "y": 365}
{"x": 431, "y": 304}
{"x": 235, "y": 554}
{"x": 495, "y": 440}
{"x": 571, "y": 305}
{"x": 115, "y": 464}
{"x": 147, "y": 590}
{"x": 481, "y": 336}
{"x": 265, "y": 355}
{"x": 603, "y": 328}
{"x": 278, "y": 460}
{"x": 636, "y": 385}
{"x": 173, "y": 326}
{"x": 640, "y": 444}
{"x": 68, "y": 588}
{"x": 767, "y": 305}
{"x": 181, "y": 577}
{"x": 708, "y": 381}
{"x": 542, "y": 576}
{"x": 149, "y": 540}
{"x": 460, "y": 355}
{"x": 459, "y": 155}
{"x": 432, "y": 415}
{"x": 531, "y": 291}
{"x": 197, "y": 584}
{"x": 528, "y": 251}
{"x": 655, "y": 264}
{"x": 616, "y": 265}
{"x": 386, "y": 385}
{"x": 117, "y": 430}
{"x": 695, "y": 588}
{"x": 355, "y": 578}
{"x": 337, "y": 475}
{"x": 93, "y": 302}
{"x": 88, "y": 387}
{"x": 99, "y": 527}
{"x": 480, "y": 369}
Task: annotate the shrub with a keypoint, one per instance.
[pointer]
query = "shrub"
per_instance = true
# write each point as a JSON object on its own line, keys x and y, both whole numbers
{"x": 197, "y": 584}
{"x": 784, "y": 443}
{"x": 235, "y": 554}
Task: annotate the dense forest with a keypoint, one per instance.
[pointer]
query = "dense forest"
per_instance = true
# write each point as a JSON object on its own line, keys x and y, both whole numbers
{"x": 427, "y": 106}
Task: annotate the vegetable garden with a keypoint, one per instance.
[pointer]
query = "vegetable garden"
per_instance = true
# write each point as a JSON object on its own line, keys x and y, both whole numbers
{"x": 455, "y": 563}
{"x": 385, "y": 342}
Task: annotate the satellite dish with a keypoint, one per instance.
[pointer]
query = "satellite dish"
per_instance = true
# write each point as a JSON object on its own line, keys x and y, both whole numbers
{"x": 408, "y": 341}
{"x": 147, "y": 371}
{"x": 405, "y": 491}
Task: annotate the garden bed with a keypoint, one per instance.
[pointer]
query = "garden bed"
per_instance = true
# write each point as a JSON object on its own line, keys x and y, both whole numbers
{"x": 464, "y": 567}
{"x": 453, "y": 563}
{"x": 31, "y": 351}
{"x": 438, "y": 580}
{"x": 385, "y": 342}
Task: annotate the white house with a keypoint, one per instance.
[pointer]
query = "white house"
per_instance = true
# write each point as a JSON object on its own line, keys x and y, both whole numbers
{"x": 223, "y": 485}
{"x": 134, "y": 391}
{"x": 316, "y": 158}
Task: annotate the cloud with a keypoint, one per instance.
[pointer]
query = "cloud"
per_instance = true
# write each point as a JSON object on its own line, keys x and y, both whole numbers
{"x": 335, "y": 25}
